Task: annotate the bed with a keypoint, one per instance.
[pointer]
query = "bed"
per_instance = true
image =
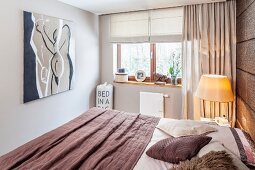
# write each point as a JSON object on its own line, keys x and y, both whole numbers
{"x": 108, "y": 139}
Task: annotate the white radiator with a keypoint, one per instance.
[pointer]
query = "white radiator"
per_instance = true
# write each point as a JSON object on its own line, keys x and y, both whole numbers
{"x": 152, "y": 104}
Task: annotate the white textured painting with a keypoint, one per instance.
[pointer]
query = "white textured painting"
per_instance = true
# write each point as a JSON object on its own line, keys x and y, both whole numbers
{"x": 48, "y": 56}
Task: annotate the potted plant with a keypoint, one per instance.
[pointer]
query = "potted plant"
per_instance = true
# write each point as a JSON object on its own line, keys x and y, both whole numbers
{"x": 174, "y": 69}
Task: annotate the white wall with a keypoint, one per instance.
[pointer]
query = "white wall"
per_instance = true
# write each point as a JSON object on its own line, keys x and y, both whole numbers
{"x": 127, "y": 96}
{"x": 19, "y": 123}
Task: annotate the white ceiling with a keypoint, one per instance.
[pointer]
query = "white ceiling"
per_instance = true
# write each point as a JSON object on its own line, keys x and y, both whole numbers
{"x": 115, "y": 6}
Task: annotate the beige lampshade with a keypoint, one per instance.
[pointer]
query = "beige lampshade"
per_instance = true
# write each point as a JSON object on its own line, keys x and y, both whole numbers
{"x": 215, "y": 88}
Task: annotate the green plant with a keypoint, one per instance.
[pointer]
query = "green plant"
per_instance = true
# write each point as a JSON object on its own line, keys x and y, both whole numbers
{"x": 175, "y": 67}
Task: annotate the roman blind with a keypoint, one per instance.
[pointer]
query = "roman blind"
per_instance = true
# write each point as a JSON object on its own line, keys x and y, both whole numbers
{"x": 161, "y": 25}
{"x": 130, "y": 27}
{"x": 166, "y": 25}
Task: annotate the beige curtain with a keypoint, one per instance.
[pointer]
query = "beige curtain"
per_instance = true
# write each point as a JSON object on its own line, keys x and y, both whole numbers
{"x": 209, "y": 47}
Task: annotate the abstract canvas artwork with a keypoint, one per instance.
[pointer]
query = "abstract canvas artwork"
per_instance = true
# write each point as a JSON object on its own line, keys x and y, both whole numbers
{"x": 49, "y": 56}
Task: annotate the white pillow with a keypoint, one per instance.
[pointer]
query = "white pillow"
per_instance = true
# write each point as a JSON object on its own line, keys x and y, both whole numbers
{"x": 216, "y": 146}
{"x": 177, "y": 128}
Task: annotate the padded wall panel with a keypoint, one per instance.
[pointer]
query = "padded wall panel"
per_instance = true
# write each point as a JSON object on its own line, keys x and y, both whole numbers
{"x": 246, "y": 65}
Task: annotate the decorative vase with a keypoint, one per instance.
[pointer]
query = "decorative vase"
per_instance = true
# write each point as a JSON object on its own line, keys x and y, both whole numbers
{"x": 173, "y": 80}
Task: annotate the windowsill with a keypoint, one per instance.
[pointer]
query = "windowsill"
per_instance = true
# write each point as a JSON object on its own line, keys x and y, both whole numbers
{"x": 150, "y": 84}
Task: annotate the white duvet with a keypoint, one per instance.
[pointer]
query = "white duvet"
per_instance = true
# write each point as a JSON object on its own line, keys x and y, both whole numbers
{"x": 220, "y": 138}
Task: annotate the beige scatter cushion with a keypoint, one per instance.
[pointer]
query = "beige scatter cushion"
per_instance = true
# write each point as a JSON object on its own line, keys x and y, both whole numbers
{"x": 178, "y": 128}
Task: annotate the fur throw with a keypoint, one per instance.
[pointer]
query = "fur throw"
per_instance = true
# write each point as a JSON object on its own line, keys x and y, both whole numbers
{"x": 211, "y": 161}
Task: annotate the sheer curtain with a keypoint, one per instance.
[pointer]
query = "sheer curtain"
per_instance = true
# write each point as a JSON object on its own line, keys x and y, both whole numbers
{"x": 209, "y": 47}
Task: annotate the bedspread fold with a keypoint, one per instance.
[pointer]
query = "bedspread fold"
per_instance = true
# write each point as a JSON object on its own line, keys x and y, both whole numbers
{"x": 98, "y": 139}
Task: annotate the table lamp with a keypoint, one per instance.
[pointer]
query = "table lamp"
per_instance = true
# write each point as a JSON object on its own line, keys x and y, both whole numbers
{"x": 215, "y": 88}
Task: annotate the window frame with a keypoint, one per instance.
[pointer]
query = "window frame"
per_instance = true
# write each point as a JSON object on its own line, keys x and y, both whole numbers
{"x": 152, "y": 77}
{"x": 153, "y": 63}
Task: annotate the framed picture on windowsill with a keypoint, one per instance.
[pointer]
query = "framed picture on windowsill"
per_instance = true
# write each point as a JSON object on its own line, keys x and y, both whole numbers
{"x": 140, "y": 76}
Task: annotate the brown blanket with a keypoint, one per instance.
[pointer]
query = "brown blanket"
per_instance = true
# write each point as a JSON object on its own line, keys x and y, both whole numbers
{"x": 98, "y": 139}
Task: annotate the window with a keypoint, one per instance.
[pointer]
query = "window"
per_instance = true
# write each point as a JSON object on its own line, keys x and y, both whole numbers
{"x": 149, "y": 41}
{"x": 168, "y": 54}
{"x": 151, "y": 58}
{"x": 135, "y": 57}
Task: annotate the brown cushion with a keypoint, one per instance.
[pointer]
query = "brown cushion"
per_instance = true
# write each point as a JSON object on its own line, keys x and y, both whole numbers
{"x": 174, "y": 150}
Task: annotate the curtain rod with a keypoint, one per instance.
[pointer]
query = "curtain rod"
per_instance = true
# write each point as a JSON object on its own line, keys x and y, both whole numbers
{"x": 160, "y": 8}
{"x": 150, "y": 9}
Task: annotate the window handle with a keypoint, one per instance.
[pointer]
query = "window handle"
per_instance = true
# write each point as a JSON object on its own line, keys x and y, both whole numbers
{"x": 166, "y": 96}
